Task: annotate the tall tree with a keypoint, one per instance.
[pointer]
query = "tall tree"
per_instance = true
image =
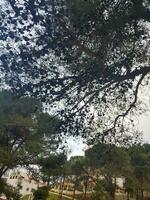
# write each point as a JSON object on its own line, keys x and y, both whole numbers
{"x": 111, "y": 162}
{"x": 79, "y": 172}
{"x": 26, "y": 132}
{"x": 52, "y": 167}
{"x": 140, "y": 158}
{"x": 92, "y": 56}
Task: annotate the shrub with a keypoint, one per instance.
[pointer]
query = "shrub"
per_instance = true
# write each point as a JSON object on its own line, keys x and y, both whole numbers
{"x": 41, "y": 193}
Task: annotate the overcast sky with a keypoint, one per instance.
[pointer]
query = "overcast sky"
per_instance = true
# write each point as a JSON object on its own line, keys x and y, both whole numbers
{"x": 77, "y": 147}
{"x": 144, "y": 125}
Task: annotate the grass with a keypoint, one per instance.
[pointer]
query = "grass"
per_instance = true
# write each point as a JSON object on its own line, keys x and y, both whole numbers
{"x": 53, "y": 196}
{"x": 25, "y": 197}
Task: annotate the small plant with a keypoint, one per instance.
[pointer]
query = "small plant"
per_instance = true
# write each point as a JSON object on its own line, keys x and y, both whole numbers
{"x": 98, "y": 193}
{"x": 41, "y": 193}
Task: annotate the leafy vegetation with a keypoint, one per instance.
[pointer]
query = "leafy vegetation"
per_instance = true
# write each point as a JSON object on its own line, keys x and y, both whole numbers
{"x": 98, "y": 172}
{"x": 26, "y": 133}
{"x": 82, "y": 55}
{"x": 52, "y": 167}
{"x": 41, "y": 193}
{"x": 85, "y": 61}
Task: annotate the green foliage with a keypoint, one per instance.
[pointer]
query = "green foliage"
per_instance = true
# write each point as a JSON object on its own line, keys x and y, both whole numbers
{"x": 109, "y": 161}
{"x": 26, "y": 132}
{"x": 52, "y": 167}
{"x": 79, "y": 54}
{"x": 98, "y": 193}
{"x": 109, "y": 158}
{"x": 9, "y": 191}
{"x": 41, "y": 193}
{"x": 76, "y": 165}
{"x": 139, "y": 179}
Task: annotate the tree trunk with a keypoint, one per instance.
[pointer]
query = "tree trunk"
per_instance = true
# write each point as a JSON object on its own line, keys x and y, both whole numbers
{"x": 128, "y": 196}
{"x": 113, "y": 189}
{"x": 61, "y": 187}
{"x": 85, "y": 189}
{"x": 74, "y": 192}
{"x": 142, "y": 194}
{"x": 3, "y": 170}
{"x": 112, "y": 194}
{"x": 137, "y": 195}
{"x": 48, "y": 181}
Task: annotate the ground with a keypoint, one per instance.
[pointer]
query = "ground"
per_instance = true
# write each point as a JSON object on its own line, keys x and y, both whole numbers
{"x": 54, "y": 196}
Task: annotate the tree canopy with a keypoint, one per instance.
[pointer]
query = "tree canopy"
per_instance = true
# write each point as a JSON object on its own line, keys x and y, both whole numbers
{"x": 106, "y": 171}
{"x": 88, "y": 59}
{"x": 52, "y": 167}
{"x": 27, "y": 136}
{"x": 26, "y": 132}
{"x": 110, "y": 162}
{"x": 103, "y": 164}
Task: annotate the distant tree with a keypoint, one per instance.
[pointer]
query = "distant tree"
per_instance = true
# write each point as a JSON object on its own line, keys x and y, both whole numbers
{"x": 98, "y": 193}
{"x": 140, "y": 158}
{"x": 77, "y": 169}
{"x": 130, "y": 185}
{"x": 111, "y": 162}
{"x": 67, "y": 172}
{"x": 52, "y": 167}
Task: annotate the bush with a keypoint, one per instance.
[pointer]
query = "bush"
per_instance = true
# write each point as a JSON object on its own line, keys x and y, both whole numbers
{"x": 41, "y": 193}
